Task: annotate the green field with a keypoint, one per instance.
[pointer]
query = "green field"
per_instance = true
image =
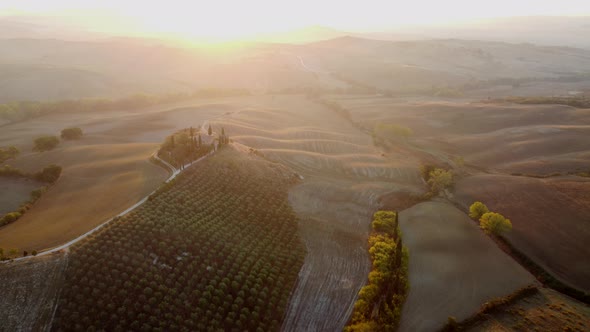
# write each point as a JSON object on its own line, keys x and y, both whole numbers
{"x": 216, "y": 249}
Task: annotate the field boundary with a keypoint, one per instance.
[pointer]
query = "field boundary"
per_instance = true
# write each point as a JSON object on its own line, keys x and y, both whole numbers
{"x": 541, "y": 274}
{"x": 488, "y": 308}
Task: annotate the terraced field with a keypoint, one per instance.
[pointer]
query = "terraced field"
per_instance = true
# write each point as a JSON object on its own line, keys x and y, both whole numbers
{"x": 343, "y": 176}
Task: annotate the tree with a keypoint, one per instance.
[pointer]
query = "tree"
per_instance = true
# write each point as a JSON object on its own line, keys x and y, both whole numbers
{"x": 425, "y": 171}
{"x": 71, "y": 133}
{"x": 440, "y": 179}
{"x": 8, "y": 153}
{"x": 200, "y": 141}
{"x": 385, "y": 221}
{"x": 49, "y": 174}
{"x": 495, "y": 223}
{"x": 45, "y": 143}
{"x": 477, "y": 210}
{"x": 210, "y": 131}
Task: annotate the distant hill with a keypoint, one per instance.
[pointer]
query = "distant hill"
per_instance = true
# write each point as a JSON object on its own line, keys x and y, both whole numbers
{"x": 543, "y": 30}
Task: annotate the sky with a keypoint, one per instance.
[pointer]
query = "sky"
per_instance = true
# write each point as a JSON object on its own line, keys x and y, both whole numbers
{"x": 235, "y": 19}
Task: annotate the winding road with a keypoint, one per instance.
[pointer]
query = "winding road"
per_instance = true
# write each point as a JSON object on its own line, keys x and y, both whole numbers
{"x": 174, "y": 174}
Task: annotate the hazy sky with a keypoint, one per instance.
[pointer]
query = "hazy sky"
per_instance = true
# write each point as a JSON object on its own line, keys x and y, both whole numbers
{"x": 225, "y": 19}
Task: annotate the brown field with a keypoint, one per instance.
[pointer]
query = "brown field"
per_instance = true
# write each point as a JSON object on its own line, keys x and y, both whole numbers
{"x": 343, "y": 176}
{"x": 30, "y": 290}
{"x": 547, "y": 310}
{"x": 104, "y": 173}
{"x": 549, "y": 216}
{"x": 15, "y": 192}
{"x": 535, "y": 139}
{"x": 453, "y": 268}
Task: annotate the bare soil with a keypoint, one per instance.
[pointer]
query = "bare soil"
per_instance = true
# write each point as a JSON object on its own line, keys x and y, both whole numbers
{"x": 453, "y": 267}
{"x": 550, "y": 219}
{"x": 547, "y": 310}
{"x": 30, "y": 290}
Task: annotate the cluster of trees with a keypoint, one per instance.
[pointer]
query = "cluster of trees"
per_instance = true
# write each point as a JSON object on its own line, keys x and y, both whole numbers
{"x": 384, "y": 134}
{"x": 391, "y": 131}
{"x": 379, "y": 303}
{"x": 50, "y": 142}
{"x": 223, "y": 137}
{"x": 490, "y": 222}
{"x": 8, "y": 153}
{"x": 11, "y": 253}
{"x": 438, "y": 179}
{"x": 574, "y": 101}
{"x": 216, "y": 249}
{"x": 71, "y": 133}
{"x": 184, "y": 146}
{"x": 45, "y": 143}
{"x": 49, "y": 174}
{"x": 17, "y": 111}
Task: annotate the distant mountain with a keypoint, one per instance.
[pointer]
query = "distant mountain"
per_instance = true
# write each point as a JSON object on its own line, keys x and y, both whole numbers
{"x": 43, "y": 28}
{"x": 542, "y": 30}
{"x": 303, "y": 36}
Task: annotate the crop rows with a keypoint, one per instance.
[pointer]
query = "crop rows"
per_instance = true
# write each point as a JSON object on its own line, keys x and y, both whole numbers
{"x": 216, "y": 249}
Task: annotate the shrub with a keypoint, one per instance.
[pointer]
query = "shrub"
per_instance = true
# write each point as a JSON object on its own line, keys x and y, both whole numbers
{"x": 10, "y": 171}
{"x": 8, "y": 153}
{"x": 425, "y": 171}
{"x": 477, "y": 210}
{"x": 71, "y": 133}
{"x": 495, "y": 223}
{"x": 49, "y": 174}
{"x": 45, "y": 143}
{"x": 10, "y": 217}
{"x": 440, "y": 179}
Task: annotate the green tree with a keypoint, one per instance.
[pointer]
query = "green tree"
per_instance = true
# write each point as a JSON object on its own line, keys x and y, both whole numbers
{"x": 440, "y": 179}
{"x": 49, "y": 174}
{"x": 71, "y": 133}
{"x": 385, "y": 221}
{"x": 8, "y": 153}
{"x": 425, "y": 171}
{"x": 495, "y": 223}
{"x": 45, "y": 143}
{"x": 478, "y": 209}
{"x": 209, "y": 131}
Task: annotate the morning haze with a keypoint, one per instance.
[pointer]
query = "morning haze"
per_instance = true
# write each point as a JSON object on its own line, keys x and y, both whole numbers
{"x": 294, "y": 166}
